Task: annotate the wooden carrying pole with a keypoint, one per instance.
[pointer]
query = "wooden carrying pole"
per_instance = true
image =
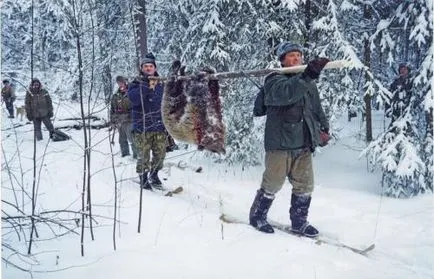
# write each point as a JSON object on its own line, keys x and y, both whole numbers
{"x": 337, "y": 64}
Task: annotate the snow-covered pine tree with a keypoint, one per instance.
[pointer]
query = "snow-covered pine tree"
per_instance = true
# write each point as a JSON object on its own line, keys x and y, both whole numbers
{"x": 338, "y": 89}
{"x": 404, "y": 151}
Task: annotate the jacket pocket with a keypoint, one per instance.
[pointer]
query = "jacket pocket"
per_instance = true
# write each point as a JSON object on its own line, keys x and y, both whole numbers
{"x": 292, "y": 135}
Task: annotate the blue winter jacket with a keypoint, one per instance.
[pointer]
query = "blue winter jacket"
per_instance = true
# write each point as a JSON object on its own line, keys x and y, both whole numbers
{"x": 146, "y": 106}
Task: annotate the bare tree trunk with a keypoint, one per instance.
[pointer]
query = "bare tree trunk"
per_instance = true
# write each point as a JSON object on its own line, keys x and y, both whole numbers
{"x": 32, "y": 41}
{"x": 140, "y": 209}
{"x": 141, "y": 29}
{"x": 367, "y": 62}
{"x": 135, "y": 38}
{"x": 29, "y": 251}
{"x": 87, "y": 129}
{"x": 104, "y": 46}
{"x": 76, "y": 27}
{"x": 116, "y": 191}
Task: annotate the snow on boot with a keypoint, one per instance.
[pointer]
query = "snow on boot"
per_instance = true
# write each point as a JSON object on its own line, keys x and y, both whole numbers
{"x": 144, "y": 182}
{"x": 259, "y": 210}
{"x": 155, "y": 181}
{"x": 298, "y": 215}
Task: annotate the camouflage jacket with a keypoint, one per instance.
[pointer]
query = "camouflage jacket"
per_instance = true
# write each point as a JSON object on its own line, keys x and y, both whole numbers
{"x": 38, "y": 104}
{"x": 120, "y": 108}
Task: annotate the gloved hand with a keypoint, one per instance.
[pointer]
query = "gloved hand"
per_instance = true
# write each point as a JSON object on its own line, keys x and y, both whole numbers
{"x": 50, "y": 114}
{"x": 324, "y": 138}
{"x": 315, "y": 66}
{"x": 30, "y": 118}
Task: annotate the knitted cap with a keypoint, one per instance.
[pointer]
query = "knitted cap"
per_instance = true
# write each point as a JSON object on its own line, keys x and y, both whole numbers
{"x": 286, "y": 47}
{"x": 149, "y": 59}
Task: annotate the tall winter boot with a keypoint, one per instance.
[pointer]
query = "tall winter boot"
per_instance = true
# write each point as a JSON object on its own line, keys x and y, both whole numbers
{"x": 155, "y": 181}
{"x": 144, "y": 182}
{"x": 259, "y": 210}
{"x": 298, "y": 215}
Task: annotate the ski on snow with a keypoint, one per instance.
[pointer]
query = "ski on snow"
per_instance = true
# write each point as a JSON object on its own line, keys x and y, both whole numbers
{"x": 321, "y": 239}
{"x": 170, "y": 192}
{"x": 163, "y": 190}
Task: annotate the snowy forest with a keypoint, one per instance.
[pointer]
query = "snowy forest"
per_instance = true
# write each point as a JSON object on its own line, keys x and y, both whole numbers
{"x": 78, "y": 47}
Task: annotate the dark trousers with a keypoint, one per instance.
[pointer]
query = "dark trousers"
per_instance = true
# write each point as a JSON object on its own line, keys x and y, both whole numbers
{"x": 125, "y": 137}
{"x": 37, "y": 126}
{"x": 10, "y": 107}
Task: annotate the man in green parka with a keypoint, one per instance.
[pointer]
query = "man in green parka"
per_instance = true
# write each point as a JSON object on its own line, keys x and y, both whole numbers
{"x": 39, "y": 108}
{"x": 120, "y": 117}
{"x": 295, "y": 125}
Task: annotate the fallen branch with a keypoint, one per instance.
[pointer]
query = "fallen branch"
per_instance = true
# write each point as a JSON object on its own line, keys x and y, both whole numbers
{"x": 79, "y": 126}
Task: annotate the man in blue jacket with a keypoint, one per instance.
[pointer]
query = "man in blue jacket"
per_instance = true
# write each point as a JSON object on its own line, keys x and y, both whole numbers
{"x": 295, "y": 125}
{"x": 148, "y": 129}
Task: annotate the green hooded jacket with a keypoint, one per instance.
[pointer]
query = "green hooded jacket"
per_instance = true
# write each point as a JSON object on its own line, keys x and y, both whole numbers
{"x": 295, "y": 116}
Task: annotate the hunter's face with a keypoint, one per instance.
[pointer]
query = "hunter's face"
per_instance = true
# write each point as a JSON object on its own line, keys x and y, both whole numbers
{"x": 293, "y": 58}
{"x": 122, "y": 86}
{"x": 403, "y": 71}
{"x": 149, "y": 69}
{"x": 36, "y": 85}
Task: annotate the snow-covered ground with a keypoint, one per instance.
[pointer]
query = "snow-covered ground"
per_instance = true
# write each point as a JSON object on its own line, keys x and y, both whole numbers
{"x": 182, "y": 236}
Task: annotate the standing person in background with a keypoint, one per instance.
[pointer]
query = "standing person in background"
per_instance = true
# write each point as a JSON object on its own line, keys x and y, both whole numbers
{"x": 148, "y": 129}
{"x": 39, "y": 108}
{"x": 401, "y": 90}
{"x": 120, "y": 117}
{"x": 295, "y": 125}
{"x": 8, "y": 96}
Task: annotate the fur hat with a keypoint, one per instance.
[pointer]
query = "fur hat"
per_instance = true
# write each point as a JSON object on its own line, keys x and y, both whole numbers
{"x": 149, "y": 59}
{"x": 6, "y": 81}
{"x": 286, "y": 47}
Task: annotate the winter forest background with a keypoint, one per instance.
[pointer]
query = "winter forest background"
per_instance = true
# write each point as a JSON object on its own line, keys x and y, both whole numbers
{"x": 78, "y": 47}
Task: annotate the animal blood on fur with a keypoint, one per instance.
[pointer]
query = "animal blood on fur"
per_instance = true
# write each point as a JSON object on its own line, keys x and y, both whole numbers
{"x": 192, "y": 110}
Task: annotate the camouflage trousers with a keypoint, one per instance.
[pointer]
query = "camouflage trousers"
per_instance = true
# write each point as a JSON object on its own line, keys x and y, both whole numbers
{"x": 145, "y": 143}
{"x": 294, "y": 164}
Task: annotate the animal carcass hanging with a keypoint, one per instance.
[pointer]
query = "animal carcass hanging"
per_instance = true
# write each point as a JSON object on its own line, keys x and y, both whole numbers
{"x": 192, "y": 109}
